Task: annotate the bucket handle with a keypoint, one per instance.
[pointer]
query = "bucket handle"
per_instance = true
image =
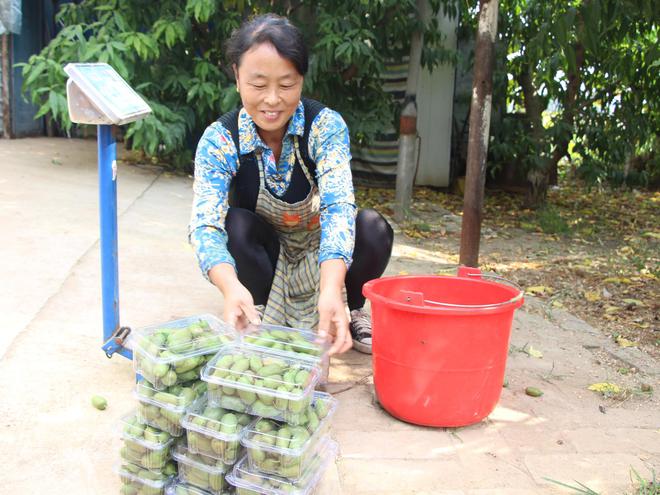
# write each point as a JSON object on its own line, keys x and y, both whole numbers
{"x": 499, "y": 278}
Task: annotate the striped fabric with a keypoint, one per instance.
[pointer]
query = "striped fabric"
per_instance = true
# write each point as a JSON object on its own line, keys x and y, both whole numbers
{"x": 381, "y": 155}
{"x": 293, "y": 297}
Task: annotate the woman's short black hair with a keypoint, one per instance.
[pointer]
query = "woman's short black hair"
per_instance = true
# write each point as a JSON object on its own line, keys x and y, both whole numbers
{"x": 274, "y": 29}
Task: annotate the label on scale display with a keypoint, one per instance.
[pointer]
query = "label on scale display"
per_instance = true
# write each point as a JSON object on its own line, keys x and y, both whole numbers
{"x": 97, "y": 94}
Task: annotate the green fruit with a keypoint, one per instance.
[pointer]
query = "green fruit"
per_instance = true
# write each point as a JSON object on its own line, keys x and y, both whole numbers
{"x": 533, "y": 392}
{"x": 270, "y": 370}
{"x": 160, "y": 370}
{"x": 240, "y": 366}
{"x": 99, "y": 402}
{"x": 169, "y": 378}
{"x": 229, "y": 423}
{"x": 302, "y": 377}
{"x": 321, "y": 408}
{"x": 255, "y": 363}
{"x": 280, "y": 402}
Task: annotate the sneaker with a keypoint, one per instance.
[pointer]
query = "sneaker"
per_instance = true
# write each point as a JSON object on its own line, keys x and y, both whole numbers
{"x": 360, "y": 327}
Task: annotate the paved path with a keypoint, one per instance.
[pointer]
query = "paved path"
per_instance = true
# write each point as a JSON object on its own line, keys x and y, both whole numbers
{"x": 52, "y": 441}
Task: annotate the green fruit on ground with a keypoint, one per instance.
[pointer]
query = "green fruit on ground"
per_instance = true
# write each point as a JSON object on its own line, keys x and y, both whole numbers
{"x": 533, "y": 392}
{"x": 99, "y": 402}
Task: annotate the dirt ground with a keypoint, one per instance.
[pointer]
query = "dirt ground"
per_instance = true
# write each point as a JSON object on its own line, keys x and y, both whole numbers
{"x": 603, "y": 267}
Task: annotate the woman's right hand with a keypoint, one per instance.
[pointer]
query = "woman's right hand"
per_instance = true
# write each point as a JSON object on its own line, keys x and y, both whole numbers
{"x": 239, "y": 310}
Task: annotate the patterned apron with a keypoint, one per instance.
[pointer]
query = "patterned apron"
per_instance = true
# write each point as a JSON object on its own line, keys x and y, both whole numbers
{"x": 293, "y": 297}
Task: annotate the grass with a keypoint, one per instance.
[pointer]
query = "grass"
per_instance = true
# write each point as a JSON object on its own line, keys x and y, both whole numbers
{"x": 641, "y": 485}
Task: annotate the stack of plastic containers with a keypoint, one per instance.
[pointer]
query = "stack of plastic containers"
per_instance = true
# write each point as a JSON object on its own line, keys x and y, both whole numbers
{"x": 168, "y": 358}
{"x": 272, "y": 374}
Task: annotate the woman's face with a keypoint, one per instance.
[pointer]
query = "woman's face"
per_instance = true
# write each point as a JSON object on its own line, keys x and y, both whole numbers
{"x": 270, "y": 88}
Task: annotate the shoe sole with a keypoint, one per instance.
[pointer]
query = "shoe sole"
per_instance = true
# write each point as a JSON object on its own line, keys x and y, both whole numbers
{"x": 360, "y": 347}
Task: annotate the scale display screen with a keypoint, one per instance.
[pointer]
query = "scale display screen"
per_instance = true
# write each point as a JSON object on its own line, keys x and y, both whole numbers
{"x": 108, "y": 92}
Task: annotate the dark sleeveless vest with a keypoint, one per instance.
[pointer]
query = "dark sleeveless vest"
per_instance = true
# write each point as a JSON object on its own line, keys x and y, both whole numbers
{"x": 245, "y": 184}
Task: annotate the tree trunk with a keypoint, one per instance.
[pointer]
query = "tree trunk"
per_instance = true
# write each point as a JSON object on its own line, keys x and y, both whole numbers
{"x": 480, "y": 108}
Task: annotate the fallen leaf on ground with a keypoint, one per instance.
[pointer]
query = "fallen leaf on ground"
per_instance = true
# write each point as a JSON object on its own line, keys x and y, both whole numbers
{"x": 624, "y": 342}
{"x": 605, "y": 388}
{"x": 539, "y": 290}
{"x": 634, "y": 302}
{"x": 534, "y": 352}
{"x": 592, "y": 296}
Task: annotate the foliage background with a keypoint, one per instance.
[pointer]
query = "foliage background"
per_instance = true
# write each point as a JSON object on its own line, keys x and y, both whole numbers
{"x": 576, "y": 87}
{"x": 172, "y": 52}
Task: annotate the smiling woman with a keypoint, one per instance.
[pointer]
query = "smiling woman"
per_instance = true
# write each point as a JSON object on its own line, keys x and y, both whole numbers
{"x": 274, "y": 223}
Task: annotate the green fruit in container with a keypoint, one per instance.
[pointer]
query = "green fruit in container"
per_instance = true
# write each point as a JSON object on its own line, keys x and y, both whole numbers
{"x": 169, "y": 469}
{"x": 229, "y": 423}
{"x": 292, "y": 471}
{"x": 260, "y": 409}
{"x": 128, "y": 490}
{"x": 160, "y": 370}
{"x": 257, "y": 455}
{"x": 216, "y": 481}
{"x": 231, "y": 453}
{"x": 270, "y": 465}
{"x": 283, "y": 437}
{"x": 169, "y": 378}
{"x": 270, "y": 370}
{"x": 280, "y": 402}
{"x": 233, "y": 403}
{"x": 321, "y": 408}
{"x": 313, "y": 421}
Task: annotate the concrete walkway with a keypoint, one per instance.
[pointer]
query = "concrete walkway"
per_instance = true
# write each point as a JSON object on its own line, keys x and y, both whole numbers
{"x": 52, "y": 441}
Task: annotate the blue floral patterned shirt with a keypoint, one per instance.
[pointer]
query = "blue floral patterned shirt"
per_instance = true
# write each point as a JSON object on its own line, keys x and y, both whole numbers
{"x": 216, "y": 163}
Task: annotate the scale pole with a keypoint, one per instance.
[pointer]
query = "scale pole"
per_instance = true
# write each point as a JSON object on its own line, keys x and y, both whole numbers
{"x": 107, "y": 154}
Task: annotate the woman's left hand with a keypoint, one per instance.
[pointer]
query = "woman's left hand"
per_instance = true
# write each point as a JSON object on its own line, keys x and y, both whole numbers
{"x": 333, "y": 321}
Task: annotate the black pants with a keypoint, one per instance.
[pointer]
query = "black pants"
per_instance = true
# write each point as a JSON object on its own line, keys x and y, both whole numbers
{"x": 255, "y": 246}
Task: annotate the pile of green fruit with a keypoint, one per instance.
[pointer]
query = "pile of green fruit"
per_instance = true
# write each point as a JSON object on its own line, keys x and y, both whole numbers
{"x": 259, "y": 383}
{"x": 137, "y": 481}
{"x": 286, "y": 340}
{"x": 169, "y": 356}
{"x": 145, "y": 446}
{"x": 283, "y": 449}
{"x": 164, "y": 409}
{"x": 248, "y": 482}
{"x": 201, "y": 471}
{"x": 215, "y": 432}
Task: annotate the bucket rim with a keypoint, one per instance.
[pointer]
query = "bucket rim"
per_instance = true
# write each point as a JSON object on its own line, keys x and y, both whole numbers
{"x": 439, "y": 307}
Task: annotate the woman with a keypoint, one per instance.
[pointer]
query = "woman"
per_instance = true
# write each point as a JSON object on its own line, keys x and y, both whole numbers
{"x": 274, "y": 223}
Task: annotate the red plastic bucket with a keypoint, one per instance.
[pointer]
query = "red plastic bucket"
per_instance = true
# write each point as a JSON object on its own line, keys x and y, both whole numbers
{"x": 440, "y": 345}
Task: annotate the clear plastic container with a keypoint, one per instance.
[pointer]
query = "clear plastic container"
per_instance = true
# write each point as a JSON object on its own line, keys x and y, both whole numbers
{"x": 294, "y": 342}
{"x": 278, "y": 448}
{"x": 215, "y": 432}
{"x": 135, "y": 480}
{"x": 248, "y": 482}
{"x": 144, "y": 445}
{"x": 164, "y": 409}
{"x": 182, "y": 488}
{"x": 260, "y": 383}
{"x": 174, "y": 353}
{"x": 201, "y": 471}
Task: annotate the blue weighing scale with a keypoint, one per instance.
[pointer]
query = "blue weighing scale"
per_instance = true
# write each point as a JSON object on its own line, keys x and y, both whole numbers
{"x": 98, "y": 95}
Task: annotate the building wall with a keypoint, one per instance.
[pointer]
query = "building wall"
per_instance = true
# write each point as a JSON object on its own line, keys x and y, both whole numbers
{"x": 435, "y": 100}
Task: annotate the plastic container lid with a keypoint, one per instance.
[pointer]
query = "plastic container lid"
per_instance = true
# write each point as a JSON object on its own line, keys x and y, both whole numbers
{"x": 182, "y": 488}
{"x": 219, "y": 373}
{"x": 295, "y": 342}
{"x": 207, "y": 334}
{"x": 251, "y": 436}
{"x": 268, "y": 484}
{"x": 212, "y": 427}
{"x": 213, "y": 466}
{"x": 151, "y": 438}
{"x": 169, "y": 398}
{"x": 134, "y": 473}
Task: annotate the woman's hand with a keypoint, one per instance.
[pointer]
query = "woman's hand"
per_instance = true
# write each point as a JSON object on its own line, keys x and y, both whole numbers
{"x": 333, "y": 313}
{"x": 239, "y": 310}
